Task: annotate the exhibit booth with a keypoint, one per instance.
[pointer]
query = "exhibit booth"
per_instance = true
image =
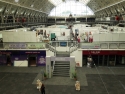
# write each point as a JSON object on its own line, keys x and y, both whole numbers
{"x": 23, "y": 58}
{"x": 22, "y": 40}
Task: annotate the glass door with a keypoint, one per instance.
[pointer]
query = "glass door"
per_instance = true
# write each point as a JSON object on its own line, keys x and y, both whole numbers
{"x": 112, "y": 60}
{"x": 120, "y": 60}
{"x": 84, "y": 62}
{"x": 105, "y": 62}
{"x": 95, "y": 59}
{"x": 100, "y": 60}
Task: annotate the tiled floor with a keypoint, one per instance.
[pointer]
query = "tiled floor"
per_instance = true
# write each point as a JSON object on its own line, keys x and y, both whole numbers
{"x": 103, "y": 80}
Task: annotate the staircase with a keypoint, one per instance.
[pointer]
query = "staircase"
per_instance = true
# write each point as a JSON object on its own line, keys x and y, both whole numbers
{"x": 51, "y": 48}
{"x": 74, "y": 48}
{"x": 61, "y": 68}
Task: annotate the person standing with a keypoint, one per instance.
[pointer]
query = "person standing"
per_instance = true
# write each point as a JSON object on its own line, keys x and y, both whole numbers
{"x": 89, "y": 64}
{"x": 42, "y": 89}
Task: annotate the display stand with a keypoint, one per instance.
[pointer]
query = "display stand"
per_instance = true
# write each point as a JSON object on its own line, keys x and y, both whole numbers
{"x": 21, "y": 63}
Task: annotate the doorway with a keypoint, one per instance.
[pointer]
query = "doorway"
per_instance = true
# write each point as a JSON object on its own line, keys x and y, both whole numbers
{"x": 32, "y": 60}
{"x": 120, "y": 60}
{"x": 84, "y": 61}
{"x": 8, "y": 60}
{"x": 95, "y": 59}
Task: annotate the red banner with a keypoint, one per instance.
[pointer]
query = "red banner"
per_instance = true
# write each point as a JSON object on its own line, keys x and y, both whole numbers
{"x": 96, "y": 52}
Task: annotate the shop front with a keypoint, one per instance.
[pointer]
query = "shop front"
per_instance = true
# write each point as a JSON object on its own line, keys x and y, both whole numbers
{"x": 105, "y": 58}
{"x": 18, "y": 58}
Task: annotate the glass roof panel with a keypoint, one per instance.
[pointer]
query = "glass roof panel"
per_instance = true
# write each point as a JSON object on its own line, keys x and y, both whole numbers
{"x": 84, "y": 1}
{"x": 71, "y": 7}
{"x": 56, "y": 2}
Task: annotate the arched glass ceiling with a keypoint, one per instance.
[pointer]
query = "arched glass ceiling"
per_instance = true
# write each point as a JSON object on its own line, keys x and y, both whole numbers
{"x": 71, "y": 7}
{"x": 57, "y": 2}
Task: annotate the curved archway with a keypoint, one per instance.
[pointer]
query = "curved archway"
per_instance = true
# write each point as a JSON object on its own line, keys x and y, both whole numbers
{"x": 71, "y": 7}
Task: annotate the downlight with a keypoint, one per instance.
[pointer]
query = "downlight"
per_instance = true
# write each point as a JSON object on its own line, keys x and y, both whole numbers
{"x": 16, "y": 0}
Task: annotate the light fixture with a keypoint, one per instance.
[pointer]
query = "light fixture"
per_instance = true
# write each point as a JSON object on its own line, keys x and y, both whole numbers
{"x": 25, "y": 30}
{"x": 21, "y": 12}
{"x": 31, "y": 5}
{"x": 7, "y": 10}
{"x": 1, "y": 9}
{"x": 16, "y": 1}
{"x": 13, "y": 11}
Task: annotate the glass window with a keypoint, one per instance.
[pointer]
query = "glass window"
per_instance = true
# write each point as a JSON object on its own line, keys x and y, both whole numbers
{"x": 71, "y": 7}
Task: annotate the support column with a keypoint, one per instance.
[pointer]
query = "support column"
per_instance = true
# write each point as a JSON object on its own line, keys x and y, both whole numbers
{"x": 72, "y": 66}
{"x": 28, "y": 19}
{"x": 115, "y": 61}
{"x": 103, "y": 60}
{"x": 55, "y": 20}
{"x": 75, "y": 19}
{"x": 2, "y": 19}
{"x": 108, "y": 61}
{"x": 65, "y": 19}
{"x": 48, "y": 67}
{"x": 13, "y": 19}
{"x": 43, "y": 19}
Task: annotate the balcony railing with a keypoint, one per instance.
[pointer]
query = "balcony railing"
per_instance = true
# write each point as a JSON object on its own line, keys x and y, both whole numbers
{"x": 72, "y": 45}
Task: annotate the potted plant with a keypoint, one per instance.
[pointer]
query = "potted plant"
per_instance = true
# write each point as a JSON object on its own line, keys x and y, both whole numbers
{"x": 45, "y": 76}
{"x": 75, "y": 77}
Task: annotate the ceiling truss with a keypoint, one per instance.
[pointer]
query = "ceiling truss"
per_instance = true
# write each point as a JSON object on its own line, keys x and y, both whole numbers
{"x": 43, "y": 7}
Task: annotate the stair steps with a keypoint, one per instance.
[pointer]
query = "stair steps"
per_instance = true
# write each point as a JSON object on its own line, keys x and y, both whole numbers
{"x": 61, "y": 69}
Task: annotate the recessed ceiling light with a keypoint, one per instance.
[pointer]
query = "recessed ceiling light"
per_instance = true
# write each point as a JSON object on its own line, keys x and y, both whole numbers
{"x": 1, "y": 9}
{"x": 31, "y": 5}
{"x": 16, "y": 0}
{"x": 13, "y": 11}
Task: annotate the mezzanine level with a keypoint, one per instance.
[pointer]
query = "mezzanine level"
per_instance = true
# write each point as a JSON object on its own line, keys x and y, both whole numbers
{"x": 62, "y": 45}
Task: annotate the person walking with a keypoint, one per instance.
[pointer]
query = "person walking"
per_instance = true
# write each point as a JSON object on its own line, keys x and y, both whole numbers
{"x": 42, "y": 89}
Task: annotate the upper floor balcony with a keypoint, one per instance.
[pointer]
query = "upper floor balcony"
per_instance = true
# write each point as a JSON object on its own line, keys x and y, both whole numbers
{"x": 62, "y": 45}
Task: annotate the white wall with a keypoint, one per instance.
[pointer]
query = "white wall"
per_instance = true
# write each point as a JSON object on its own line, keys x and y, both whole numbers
{"x": 19, "y": 36}
{"x": 62, "y": 49}
{"x": 78, "y": 56}
{"x": 109, "y": 37}
{"x": 23, "y": 63}
{"x": 1, "y": 35}
{"x": 57, "y": 31}
{"x": 49, "y": 53}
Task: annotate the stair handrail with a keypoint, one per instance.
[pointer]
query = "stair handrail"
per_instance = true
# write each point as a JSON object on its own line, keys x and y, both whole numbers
{"x": 75, "y": 47}
{"x": 51, "y": 47}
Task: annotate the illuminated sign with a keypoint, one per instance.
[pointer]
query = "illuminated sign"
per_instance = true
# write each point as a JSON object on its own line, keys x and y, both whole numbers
{"x": 5, "y": 52}
{"x": 32, "y": 52}
{"x": 95, "y": 52}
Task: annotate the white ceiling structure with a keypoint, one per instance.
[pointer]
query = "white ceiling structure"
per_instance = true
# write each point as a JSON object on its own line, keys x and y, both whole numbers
{"x": 57, "y": 2}
{"x": 43, "y": 7}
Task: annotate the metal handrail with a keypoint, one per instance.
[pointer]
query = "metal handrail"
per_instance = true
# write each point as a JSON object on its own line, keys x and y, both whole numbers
{"x": 75, "y": 45}
{"x": 39, "y": 45}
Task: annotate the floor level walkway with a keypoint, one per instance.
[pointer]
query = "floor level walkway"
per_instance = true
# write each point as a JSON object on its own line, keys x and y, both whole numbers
{"x": 100, "y": 80}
